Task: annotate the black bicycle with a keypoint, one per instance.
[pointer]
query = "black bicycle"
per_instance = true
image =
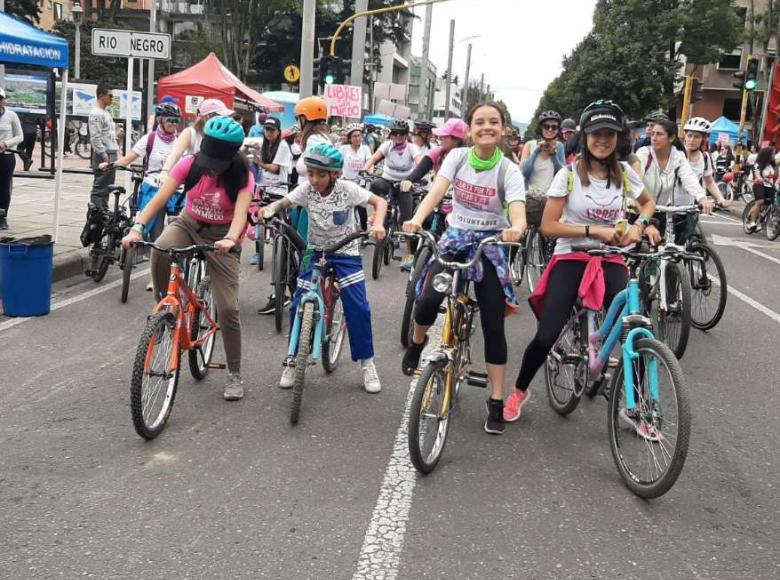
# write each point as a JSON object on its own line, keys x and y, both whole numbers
{"x": 530, "y": 260}
{"x": 288, "y": 247}
{"x": 128, "y": 258}
{"x": 104, "y": 232}
{"x": 262, "y": 197}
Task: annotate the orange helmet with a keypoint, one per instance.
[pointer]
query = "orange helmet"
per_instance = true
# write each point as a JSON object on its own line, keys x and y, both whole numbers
{"x": 312, "y": 109}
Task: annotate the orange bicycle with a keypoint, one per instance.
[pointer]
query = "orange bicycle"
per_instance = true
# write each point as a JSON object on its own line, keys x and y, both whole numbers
{"x": 182, "y": 320}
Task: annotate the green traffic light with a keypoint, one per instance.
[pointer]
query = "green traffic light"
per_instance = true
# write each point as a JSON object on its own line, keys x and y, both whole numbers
{"x": 750, "y": 84}
{"x": 329, "y": 78}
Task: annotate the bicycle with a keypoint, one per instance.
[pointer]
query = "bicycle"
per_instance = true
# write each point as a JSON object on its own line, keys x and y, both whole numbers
{"x": 76, "y": 139}
{"x": 742, "y": 188}
{"x": 768, "y": 218}
{"x": 127, "y": 256}
{"x": 183, "y": 320}
{"x": 438, "y": 385}
{"x": 655, "y": 411}
{"x": 319, "y": 327}
{"x": 111, "y": 226}
{"x": 531, "y": 258}
{"x": 262, "y": 197}
{"x": 288, "y": 248}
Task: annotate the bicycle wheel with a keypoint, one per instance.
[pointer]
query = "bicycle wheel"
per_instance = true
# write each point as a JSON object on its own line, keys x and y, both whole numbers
{"x": 566, "y": 371}
{"x": 103, "y": 250}
{"x": 407, "y": 319}
{"x": 377, "y": 260}
{"x": 649, "y": 446}
{"x": 673, "y": 323}
{"x": 336, "y": 327}
{"x": 725, "y": 190}
{"x": 302, "y": 360}
{"x": 429, "y": 421}
{"x": 260, "y": 245}
{"x": 747, "y": 217}
{"x": 126, "y": 263}
{"x": 83, "y": 149}
{"x": 200, "y": 358}
{"x": 709, "y": 289}
{"x": 155, "y": 376}
{"x": 517, "y": 259}
{"x": 773, "y": 223}
{"x": 279, "y": 282}
{"x": 534, "y": 259}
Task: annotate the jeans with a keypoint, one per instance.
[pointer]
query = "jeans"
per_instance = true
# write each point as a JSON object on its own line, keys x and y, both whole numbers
{"x": 103, "y": 180}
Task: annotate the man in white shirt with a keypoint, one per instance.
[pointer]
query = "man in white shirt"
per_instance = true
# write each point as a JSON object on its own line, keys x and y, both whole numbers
{"x": 10, "y": 136}
{"x": 102, "y": 136}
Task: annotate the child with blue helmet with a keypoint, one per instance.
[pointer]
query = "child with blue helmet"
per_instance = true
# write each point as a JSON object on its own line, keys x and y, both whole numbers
{"x": 331, "y": 203}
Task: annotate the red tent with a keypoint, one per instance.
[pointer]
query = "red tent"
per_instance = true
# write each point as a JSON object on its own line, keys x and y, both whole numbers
{"x": 210, "y": 79}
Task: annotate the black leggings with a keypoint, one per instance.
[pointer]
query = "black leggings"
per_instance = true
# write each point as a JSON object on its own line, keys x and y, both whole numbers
{"x": 492, "y": 307}
{"x": 385, "y": 189}
{"x": 7, "y": 166}
{"x": 561, "y": 297}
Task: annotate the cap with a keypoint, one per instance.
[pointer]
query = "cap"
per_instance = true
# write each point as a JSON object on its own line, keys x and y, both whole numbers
{"x": 215, "y": 154}
{"x": 274, "y": 123}
{"x": 453, "y": 128}
{"x": 210, "y": 106}
{"x": 2, "y": 93}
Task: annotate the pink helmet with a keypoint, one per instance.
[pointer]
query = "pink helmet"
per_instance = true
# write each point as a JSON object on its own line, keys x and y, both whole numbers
{"x": 453, "y": 128}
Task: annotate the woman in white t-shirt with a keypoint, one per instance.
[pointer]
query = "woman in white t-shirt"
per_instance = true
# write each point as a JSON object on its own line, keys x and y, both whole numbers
{"x": 583, "y": 202}
{"x": 697, "y": 130}
{"x": 486, "y": 186}
{"x": 356, "y": 155}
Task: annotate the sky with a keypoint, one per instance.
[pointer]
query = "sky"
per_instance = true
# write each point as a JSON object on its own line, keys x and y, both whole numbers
{"x": 520, "y": 47}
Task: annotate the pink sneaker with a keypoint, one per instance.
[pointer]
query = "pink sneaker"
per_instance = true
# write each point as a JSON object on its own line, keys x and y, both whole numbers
{"x": 514, "y": 405}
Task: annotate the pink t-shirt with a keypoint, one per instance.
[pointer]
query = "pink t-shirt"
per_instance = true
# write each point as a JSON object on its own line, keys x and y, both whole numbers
{"x": 436, "y": 155}
{"x": 207, "y": 201}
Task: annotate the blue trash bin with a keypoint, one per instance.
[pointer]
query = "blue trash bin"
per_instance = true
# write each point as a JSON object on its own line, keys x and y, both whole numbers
{"x": 25, "y": 276}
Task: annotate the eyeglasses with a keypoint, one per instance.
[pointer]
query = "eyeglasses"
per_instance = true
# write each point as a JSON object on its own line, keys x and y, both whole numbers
{"x": 547, "y": 127}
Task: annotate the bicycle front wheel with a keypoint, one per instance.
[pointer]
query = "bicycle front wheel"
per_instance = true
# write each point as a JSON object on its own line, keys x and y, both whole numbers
{"x": 649, "y": 443}
{"x": 336, "y": 327}
{"x": 126, "y": 263}
{"x": 709, "y": 289}
{"x": 773, "y": 223}
{"x": 378, "y": 258}
{"x": 155, "y": 376}
{"x": 279, "y": 282}
{"x": 566, "y": 371}
{"x": 83, "y": 149}
{"x": 407, "y": 320}
{"x": 302, "y": 360}
{"x": 517, "y": 259}
{"x": 747, "y": 217}
{"x": 200, "y": 357}
{"x": 535, "y": 261}
{"x": 429, "y": 416}
{"x": 672, "y": 321}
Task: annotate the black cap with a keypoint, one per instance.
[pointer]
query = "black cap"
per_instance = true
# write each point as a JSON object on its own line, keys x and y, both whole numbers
{"x": 215, "y": 154}
{"x": 274, "y": 123}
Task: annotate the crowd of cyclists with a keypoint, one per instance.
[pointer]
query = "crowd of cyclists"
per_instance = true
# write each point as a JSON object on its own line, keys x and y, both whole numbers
{"x": 577, "y": 181}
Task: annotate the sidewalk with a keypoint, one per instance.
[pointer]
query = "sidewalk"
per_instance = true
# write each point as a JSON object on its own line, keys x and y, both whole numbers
{"x": 32, "y": 213}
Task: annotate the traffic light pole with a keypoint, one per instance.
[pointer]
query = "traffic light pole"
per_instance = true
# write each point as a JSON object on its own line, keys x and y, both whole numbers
{"x": 686, "y": 107}
{"x": 742, "y": 116}
{"x": 307, "y": 48}
{"x": 449, "y": 71}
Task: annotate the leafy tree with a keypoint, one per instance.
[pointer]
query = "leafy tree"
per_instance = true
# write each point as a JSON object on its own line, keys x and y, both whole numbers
{"x": 29, "y": 10}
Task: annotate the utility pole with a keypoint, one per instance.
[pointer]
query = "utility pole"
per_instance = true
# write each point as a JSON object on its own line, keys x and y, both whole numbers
{"x": 464, "y": 97}
{"x": 307, "y": 48}
{"x": 481, "y": 86}
{"x": 449, "y": 71}
{"x": 424, "y": 77}
{"x": 359, "y": 47}
{"x": 2, "y": 67}
{"x": 150, "y": 80}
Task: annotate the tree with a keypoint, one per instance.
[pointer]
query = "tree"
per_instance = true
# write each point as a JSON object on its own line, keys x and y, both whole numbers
{"x": 29, "y": 10}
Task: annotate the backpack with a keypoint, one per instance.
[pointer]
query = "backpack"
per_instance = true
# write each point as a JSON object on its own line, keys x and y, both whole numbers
{"x": 149, "y": 146}
{"x": 505, "y": 162}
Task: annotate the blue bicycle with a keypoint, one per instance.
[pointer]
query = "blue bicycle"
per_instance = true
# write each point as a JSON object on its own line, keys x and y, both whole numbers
{"x": 319, "y": 328}
{"x": 649, "y": 418}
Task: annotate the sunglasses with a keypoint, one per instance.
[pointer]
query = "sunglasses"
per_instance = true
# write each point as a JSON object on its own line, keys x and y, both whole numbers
{"x": 547, "y": 127}
{"x": 174, "y": 120}
{"x": 397, "y": 133}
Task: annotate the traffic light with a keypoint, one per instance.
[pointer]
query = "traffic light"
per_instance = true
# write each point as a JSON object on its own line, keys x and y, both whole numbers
{"x": 696, "y": 90}
{"x": 751, "y": 75}
{"x": 332, "y": 70}
{"x": 316, "y": 76}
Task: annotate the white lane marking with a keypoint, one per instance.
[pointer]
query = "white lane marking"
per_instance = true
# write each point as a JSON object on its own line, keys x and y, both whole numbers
{"x": 725, "y": 217}
{"x": 74, "y": 299}
{"x": 749, "y": 301}
{"x": 720, "y": 224}
{"x": 380, "y": 555}
{"x": 743, "y": 245}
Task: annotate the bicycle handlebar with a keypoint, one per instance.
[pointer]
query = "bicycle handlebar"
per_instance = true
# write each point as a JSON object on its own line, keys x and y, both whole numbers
{"x": 177, "y": 251}
{"x": 678, "y": 209}
{"x": 494, "y": 240}
{"x": 343, "y": 242}
{"x": 599, "y": 249}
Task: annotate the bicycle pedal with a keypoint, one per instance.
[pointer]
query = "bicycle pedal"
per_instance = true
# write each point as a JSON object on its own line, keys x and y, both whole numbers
{"x": 218, "y": 366}
{"x": 476, "y": 379}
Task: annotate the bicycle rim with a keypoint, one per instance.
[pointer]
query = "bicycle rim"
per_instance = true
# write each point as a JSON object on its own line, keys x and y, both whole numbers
{"x": 649, "y": 449}
{"x": 517, "y": 266}
{"x": 280, "y": 289}
{"x": 200, "y": 358}
{"x": 336, "y": 333}
{"x": 565, "y": 372}
{"x": 534, "y": 260}
{"x": 126, "y": 261}
{"x": 709, "y": 289}
{"x": 429, "y": 421}
{"x": 746, "y": 217}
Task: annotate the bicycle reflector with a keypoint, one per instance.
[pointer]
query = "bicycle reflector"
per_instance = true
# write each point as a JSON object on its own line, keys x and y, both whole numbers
{"x": 442, "y": 282}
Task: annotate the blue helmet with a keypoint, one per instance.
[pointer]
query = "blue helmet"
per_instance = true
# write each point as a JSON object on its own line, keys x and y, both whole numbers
{"x": 224, "y": 129}
{"x": 324, "y": 156}
{"x": 222, "y": 139}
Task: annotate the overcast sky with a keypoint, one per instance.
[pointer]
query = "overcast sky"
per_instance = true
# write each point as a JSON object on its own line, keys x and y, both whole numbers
{"x": 521, "y": 43}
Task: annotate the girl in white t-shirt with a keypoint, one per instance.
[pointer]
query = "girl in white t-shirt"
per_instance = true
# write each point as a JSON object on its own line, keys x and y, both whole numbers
{"x": 356, "y": 155}
{"x": 697, "y": 131}
{"x": 584, "y": 201}
{"x": 480, "y": 177}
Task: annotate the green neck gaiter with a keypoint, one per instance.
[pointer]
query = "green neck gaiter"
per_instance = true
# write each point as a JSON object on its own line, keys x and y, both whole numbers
{"x": 485, "y": 164}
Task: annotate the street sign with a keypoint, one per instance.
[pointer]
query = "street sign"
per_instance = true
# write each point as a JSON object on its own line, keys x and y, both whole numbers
{"x": 292, "y": 73}
{"x": 130, "y": 43}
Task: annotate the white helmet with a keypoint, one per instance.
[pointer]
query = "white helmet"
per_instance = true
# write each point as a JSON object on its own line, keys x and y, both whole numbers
{"x": 699, "y": 124}
{"x": 353, "y": 127}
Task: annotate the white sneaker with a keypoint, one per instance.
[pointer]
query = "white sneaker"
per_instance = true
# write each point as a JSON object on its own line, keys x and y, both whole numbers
{"x": 370, "y": 377}
{"x": 288, "y": 378}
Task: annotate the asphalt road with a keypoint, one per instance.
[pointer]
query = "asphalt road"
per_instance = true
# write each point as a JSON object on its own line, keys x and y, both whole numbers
{"x": 231, "y": 490}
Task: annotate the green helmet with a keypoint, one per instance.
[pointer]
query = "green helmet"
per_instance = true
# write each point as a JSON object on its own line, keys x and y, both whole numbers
{"x": 224, "y": 129}
{"x": 324, "y": 156}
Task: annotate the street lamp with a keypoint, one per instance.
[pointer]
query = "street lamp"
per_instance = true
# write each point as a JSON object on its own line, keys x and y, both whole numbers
{"x": 78, "y": 15}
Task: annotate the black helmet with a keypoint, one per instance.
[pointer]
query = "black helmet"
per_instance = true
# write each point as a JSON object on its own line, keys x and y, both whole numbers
{"x": 424, "y": 125}
{"x": 657, "y": 117}
{"x": 602, "y": 114}
{"x": 168, "y": 110}
{"x": 399, "y": 126}
{"x": 549, "y": 116}
{"x": 569, "y": 124}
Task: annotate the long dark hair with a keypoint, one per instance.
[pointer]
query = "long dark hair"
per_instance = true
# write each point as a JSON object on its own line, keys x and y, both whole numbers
{"x": 268, "y": 150}
{"x": 765, "y": 157}
{"x": 233, "y": 179}
{"x": 670, "y": 128}
{"x": 308, "y": 129}
{"x": 586, "y": 160}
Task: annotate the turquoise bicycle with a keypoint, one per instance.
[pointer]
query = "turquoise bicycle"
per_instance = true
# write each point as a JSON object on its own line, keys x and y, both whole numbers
{"x": 319, "y": 327}
{"x": 648, "y": 418}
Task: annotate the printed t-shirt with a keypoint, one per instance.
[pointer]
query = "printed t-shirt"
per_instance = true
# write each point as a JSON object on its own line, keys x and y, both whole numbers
{"x": 475, "y": 201}
{"x": 354, "y": 160}
{"x": 594, "y": 205}
{"x": 157, "y": 157}
{"x": 398, "y": 165}
{"x": 207, "y": 201}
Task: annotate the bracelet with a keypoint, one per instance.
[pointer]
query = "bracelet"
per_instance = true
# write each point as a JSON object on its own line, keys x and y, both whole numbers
{"x": 644, "y": 219}
{"x": 587, "y": 231}
{"x": 138, "y": 227}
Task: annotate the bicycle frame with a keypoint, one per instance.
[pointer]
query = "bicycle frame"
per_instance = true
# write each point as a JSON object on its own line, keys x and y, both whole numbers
{"x": 315, "y": 295}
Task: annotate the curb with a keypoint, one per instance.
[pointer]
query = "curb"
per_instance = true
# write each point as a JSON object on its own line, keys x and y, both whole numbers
{"x": 69, "y": 264}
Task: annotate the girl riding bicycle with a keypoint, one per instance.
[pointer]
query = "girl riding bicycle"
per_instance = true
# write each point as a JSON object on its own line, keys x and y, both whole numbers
{"x": 331, "y": 203}
{"x": 218, "y": 187}
{"x": 585, "y": 201}
{"x": 484, "y": 181}
{"x": 355, "y": 156}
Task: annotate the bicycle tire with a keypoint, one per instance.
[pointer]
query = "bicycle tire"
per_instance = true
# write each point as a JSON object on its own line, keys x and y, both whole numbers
{"x": 103, "y": 261}
{"x": 302, "y": 360}
{"x": 159, "y": 323}
{"x": 377, "y": 260}
{"x": 746, "y": 219}
{"x": 83, "y": 150}
{"x": 661, "y": 485}
{"x": 407, "y": 320}
{"x": 702, "y": 285}
{"x": 726, "y": 190}
{"x": 332, "y": 349}
{"x": 278, "y": 281}
{"x": 569, "y": 348}
{"x": 260, "y": 245}
{"x": 517, "y": 264}
{"x": 773, "y": 223}
{"x": 126, "y": 263}
{"x": 200, "y": 358}
{"x": 535, "y": 262}
{"x": 425, "y": 463}
{"x": 681, "y": 288}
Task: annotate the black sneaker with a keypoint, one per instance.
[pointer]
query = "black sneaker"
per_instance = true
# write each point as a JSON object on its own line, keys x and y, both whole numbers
{"x": 269, "y": 307}
{"x": 27, "y": 164}
{"x": 412, "y": 357}
{"x": 494, "y": 424}
{"x": 3, "y": 223}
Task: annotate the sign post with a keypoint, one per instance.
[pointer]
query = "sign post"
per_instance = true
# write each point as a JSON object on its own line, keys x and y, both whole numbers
{"x": 129, "y": 107}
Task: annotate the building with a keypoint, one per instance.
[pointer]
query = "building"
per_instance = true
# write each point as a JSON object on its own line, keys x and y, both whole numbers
{"x": 421, "y": 101}
{"x": 52, "y": 11}
{"x": 395, "y": 59}
{"x": 440, "y": 97}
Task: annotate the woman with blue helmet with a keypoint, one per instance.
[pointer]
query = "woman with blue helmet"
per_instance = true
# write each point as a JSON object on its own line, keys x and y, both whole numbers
{"x": 331, "y": 203}
{"x": 218, "y": 188}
